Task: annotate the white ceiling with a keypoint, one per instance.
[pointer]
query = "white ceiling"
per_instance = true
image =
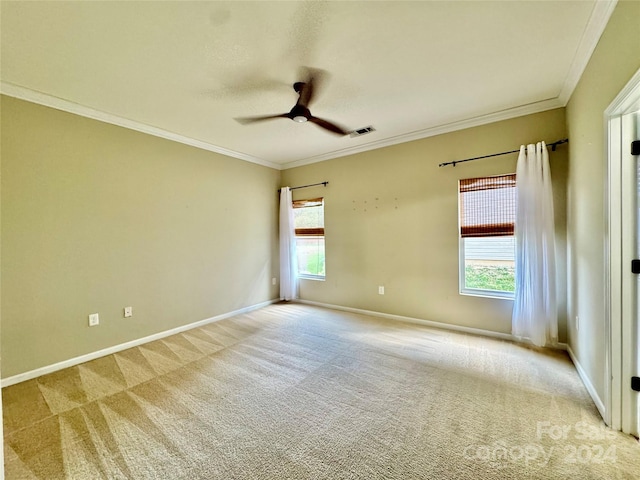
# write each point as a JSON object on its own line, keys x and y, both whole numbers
{"x": 184, "y": 70}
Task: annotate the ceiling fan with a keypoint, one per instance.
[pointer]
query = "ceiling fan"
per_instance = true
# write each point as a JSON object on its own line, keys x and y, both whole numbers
{"x": 300, "y": 112}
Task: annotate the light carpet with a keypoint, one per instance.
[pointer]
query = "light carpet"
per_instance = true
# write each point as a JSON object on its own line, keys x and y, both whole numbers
{"x": 299, "y": 392}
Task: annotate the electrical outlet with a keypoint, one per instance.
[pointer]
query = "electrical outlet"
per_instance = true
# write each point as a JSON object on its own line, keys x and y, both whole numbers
{"x": 274, "y": 281}
{"x": 94, "y": 319}
{"x": 577, "y": 322}
{"x": 381, "y": 290}
{"x": 128, "y": 312}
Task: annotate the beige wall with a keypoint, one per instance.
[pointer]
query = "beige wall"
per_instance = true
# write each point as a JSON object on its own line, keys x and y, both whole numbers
{"x": 391, "y": 218}
{"x": 615, "y": 60}
{"x": 96, "y": 217}
{"x": 1, "y": 423}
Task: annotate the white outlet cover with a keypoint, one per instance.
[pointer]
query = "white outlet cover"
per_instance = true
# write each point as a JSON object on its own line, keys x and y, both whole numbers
{"x": 94, "y": 319}
{"x": 128, "y": 311}
{"x": 381, "y": 290}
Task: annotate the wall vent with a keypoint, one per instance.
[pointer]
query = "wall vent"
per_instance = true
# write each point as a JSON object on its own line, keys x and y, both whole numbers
{"x": 362, "y": 131}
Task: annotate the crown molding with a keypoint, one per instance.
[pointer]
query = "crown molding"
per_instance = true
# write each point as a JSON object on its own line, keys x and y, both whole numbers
{"x": 46, "y": 100}
{"x": 506, "y": 114}
{"x": 598, "y": 20}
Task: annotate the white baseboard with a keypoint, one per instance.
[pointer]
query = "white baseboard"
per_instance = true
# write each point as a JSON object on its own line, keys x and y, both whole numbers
{"x": 587, "y": 383}
{"x": 22, "y": 377}
{"x": 561, "y": 346}
{"x": 429, "y": 323}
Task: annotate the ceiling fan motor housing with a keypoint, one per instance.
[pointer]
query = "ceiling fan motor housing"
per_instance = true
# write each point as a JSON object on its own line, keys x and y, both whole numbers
{"x": 299, "y": 114}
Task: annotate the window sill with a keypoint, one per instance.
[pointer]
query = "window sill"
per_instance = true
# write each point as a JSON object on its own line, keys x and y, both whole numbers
{"x": 319, "y": 278}
{"x": 488, "y": 294}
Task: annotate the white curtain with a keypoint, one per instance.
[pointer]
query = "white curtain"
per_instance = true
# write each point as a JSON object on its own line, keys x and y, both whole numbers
{"x": 288, "y": 256}
{"x": 534, "y": 313}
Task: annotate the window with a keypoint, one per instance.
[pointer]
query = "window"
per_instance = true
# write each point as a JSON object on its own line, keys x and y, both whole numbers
{"x": 309, "y": 222}
{"x": 487, "y": 242}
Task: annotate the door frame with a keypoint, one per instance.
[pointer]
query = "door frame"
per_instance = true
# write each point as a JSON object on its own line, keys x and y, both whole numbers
{"x": 620, "y": 303}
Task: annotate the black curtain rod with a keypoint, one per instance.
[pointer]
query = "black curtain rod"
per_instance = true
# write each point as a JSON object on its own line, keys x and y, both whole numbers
{"x": 305, "y": 186}
{"x": 552, "y": 145}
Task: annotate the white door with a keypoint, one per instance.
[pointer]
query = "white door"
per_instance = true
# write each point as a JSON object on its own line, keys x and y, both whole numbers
{"x": 630, "y": 331}
{"x": 631, "y": 133}
{"x": 622, "y": 330}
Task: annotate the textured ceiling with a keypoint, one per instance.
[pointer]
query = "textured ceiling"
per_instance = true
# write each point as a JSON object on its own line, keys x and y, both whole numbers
{"x": 184, "y": 70}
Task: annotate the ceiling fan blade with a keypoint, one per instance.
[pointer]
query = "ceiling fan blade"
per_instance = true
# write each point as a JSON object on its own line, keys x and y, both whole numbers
{"x": 306, "y": 93}
{"x": 314, "y": 78}
{"x": 332, "y": 127}
{"x": 247, "y": 120}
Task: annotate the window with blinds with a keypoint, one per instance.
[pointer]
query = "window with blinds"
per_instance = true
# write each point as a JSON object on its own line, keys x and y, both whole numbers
{"x": 487, "y": 208}
{"x": 309, "y": 226}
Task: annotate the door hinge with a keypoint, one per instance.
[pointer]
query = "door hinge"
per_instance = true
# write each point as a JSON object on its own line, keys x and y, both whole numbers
{"x": 635, "y": 266}
{"x": 635, "y": 384}
{"x": 635, "y": 147}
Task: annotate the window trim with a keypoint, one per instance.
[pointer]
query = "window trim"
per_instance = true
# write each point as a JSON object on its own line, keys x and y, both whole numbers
{"x": 493, "y": 230}
{"x": 311, "y": 232}
{"x": 476, "y": 292}
{"x": 310, "y": 276}
{"x": 499, "y": 183}
{"x": 307, "y": 276}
